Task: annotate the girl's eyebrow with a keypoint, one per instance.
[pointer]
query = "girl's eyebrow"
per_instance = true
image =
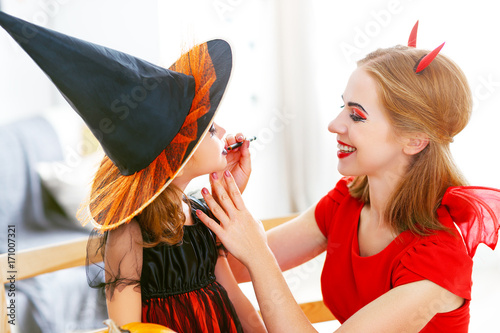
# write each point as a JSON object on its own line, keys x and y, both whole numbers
{"x": 356, "y": 105}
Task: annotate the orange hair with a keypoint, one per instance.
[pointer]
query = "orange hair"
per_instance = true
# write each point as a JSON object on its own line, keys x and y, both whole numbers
{"x": 437, "y": 102}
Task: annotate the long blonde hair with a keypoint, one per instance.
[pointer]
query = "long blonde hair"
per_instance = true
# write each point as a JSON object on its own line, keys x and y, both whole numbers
{"x": 437, "y": 102}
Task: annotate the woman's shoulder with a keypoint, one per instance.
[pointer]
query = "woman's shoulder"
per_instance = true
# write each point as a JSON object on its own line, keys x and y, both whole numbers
{"x": 328, "y": 206}
{"x": 341, "y": 190}
{"x": 434, "y": 243}
{"x": 336, "y": 197}
{"x": 448, "y": 238}
{"x": 440, "y": 257}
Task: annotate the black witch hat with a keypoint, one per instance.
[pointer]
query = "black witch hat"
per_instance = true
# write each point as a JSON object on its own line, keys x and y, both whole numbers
{"x": 139, "y": 112}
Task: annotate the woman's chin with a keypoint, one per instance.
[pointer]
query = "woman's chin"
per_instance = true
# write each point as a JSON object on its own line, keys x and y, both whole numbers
{"x": 342, "y": 170}
{"x": 346, "y": 172}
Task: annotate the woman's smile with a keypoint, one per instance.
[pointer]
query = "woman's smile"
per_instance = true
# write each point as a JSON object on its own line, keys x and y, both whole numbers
{"x": 344, "y": 149}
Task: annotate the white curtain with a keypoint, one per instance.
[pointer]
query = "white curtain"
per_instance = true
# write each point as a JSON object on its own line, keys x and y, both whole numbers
{"x": 291, "y": 62}
{"x": 309, "y": 147}
{"x": 252, "y": 103}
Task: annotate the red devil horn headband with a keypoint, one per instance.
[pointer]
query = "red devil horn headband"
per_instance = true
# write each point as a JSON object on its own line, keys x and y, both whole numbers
{"x": 412, "y": 41}
{"x": 427, "y": 59}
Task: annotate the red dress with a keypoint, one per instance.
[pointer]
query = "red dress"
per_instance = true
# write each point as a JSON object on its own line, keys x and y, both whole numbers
{"x": 350, "y": 281}
{"x": 178, "y": 285}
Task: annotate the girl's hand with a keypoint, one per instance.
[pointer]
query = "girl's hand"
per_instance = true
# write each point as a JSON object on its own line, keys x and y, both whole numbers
{"x": 238, "y": 161}
{"x": 241, "y": 234}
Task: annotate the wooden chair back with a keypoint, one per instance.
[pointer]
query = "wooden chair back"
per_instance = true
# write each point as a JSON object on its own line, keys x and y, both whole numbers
{"x": 41, "y": 260}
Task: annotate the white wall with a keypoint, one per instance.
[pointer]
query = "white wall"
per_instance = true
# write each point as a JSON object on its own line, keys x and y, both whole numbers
{"x": 23, "y": 88}
{"x": 251, "y": 104}
{"x": 126, "y": 25}
{"x": 344, "y": 33}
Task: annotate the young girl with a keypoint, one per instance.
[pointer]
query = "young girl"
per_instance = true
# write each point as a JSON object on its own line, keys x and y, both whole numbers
{"x": 395, "y": 259}
{"x": 165, "y": 266}
{"x": 161, "y": 265}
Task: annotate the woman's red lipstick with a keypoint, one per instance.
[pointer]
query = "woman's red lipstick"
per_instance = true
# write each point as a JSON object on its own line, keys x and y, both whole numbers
{"x": 344, "y": 149}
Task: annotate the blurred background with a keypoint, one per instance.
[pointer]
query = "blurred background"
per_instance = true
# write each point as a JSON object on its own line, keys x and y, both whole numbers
{"x": 292, "y": 59}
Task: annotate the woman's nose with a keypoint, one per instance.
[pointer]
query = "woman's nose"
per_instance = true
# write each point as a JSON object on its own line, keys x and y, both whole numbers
{"x": 338, "y": 125}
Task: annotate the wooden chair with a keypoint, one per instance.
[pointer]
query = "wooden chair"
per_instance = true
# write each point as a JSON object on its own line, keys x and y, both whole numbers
{"x": 46, "y": 259}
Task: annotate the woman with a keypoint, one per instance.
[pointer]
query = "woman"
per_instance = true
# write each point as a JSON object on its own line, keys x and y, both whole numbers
{"x": 395, "y": 261}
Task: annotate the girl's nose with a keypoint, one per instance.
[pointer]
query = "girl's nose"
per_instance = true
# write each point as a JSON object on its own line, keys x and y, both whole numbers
{"x": 220, "y": 130}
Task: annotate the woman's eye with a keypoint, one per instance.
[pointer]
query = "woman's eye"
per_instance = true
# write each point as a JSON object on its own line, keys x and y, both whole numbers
{"x": 357, "y": 115}
{"x": 356, "y": 118}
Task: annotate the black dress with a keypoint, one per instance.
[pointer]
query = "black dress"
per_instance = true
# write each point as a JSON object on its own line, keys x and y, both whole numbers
{"x": 178, "y": 283}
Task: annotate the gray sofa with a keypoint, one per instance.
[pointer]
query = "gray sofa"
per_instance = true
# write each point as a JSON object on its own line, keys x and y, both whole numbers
{"x": 55, "y": 302}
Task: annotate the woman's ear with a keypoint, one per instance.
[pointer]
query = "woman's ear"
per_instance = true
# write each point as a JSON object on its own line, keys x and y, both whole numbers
{"x": 415, "y": 143}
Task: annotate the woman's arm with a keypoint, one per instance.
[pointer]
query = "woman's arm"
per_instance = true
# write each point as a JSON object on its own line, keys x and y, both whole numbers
{"x": 292, "y": 243}
{"x": 249, "y": 318}
{"x": 405, "y": 308}
{"x": 247, "y": 241}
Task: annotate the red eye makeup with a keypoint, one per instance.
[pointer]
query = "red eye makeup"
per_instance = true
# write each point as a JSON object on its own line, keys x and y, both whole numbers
{"x": 359, "y": 113}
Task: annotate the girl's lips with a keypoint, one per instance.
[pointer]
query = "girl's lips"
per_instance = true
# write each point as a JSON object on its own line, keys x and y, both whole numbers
{"x": 344, "y": 149}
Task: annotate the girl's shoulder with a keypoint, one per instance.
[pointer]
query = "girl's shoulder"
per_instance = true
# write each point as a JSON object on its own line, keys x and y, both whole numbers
{"x": 124, "y": 236}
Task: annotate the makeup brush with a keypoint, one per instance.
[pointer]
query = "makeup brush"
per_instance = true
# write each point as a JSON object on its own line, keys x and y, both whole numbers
{"x": 238, "y": 144}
